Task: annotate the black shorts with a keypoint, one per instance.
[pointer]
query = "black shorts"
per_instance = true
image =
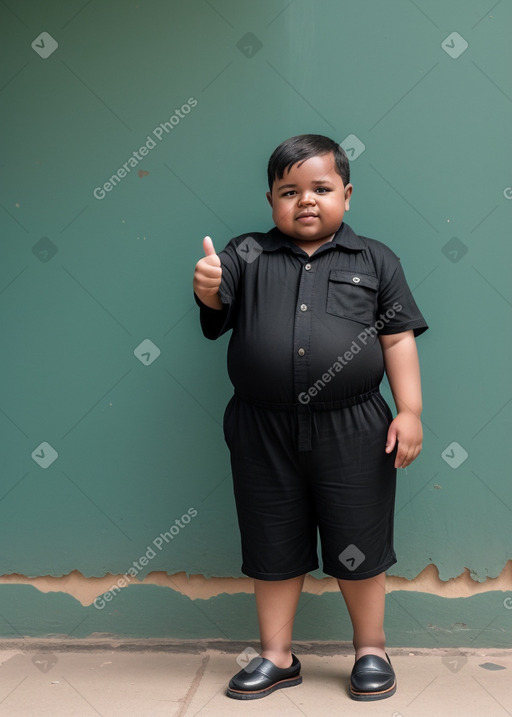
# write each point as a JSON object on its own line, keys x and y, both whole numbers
{"x": 343, "y": 489}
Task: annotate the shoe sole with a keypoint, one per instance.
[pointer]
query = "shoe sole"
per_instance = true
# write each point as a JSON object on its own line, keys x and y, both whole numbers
{"x": 256, "y": 695}
{"x": 370, "y": 696}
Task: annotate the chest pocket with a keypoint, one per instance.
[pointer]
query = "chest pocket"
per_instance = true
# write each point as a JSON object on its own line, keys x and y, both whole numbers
{"x": 353, "y": 296}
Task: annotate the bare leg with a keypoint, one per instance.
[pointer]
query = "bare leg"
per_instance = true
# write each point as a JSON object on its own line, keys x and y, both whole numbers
{"x": 365, "y": 600}
{"x": 276, "y": 603}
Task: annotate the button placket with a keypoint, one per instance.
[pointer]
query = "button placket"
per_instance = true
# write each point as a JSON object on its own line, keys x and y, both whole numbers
{"x": 302, "y": 342}
{"x": 302, "y": 327}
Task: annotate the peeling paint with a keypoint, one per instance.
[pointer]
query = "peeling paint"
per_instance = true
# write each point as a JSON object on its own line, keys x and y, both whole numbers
{"x": 87, "y": 589}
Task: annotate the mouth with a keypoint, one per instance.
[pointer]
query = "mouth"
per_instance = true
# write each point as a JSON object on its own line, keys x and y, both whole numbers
{"x": 307, "y": 216}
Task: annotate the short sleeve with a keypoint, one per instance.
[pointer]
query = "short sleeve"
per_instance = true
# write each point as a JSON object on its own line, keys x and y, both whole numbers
{"x": 397, "y": 309}
{"x": 215, "y": 322}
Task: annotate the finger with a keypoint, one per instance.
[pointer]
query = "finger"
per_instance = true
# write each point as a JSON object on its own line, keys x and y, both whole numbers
{"x": 208, "y": 283}
{"x": 209, "y": 267}
{"x": 411, "y": 456}
{"x": 401, "y": 458}
{"x": 208, "y": 247}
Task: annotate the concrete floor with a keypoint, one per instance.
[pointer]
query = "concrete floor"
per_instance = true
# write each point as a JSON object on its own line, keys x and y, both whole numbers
{"x": 42, "y": 678}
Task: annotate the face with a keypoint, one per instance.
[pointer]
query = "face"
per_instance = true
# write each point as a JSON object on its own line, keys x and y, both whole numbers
{"x": 309, "y": 201}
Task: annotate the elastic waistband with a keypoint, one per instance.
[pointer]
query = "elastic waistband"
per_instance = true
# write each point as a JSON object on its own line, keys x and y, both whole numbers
{"x": 310, "y": 405}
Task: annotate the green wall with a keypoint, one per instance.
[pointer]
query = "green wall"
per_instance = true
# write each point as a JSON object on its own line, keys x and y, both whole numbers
{"x": 102, "y": 356}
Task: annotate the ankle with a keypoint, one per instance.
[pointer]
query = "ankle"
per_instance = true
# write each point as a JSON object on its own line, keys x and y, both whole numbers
{"x": 280, "y": 658}
{"x": 378, "y": 650}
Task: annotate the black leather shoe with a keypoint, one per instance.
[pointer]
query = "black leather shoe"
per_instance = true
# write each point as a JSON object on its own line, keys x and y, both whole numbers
{"x": 372, "y": 678}
{"x": 261, "y": 677}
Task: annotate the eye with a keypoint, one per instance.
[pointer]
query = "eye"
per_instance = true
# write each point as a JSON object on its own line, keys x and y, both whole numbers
{"x": 322, "y": 190}
{"x": 288, "y": 193}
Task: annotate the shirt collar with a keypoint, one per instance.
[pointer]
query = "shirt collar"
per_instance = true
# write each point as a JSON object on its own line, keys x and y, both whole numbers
{"x": 345, "y": 238}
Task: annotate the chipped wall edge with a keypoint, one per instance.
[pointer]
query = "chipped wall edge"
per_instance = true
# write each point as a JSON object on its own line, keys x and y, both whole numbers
{"x": 87, "y": 589}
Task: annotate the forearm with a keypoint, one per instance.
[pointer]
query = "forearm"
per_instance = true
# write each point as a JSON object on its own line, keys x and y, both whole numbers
{"x": 403, "y": 371}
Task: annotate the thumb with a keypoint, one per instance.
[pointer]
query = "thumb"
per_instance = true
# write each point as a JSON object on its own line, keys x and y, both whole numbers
{"x": 208, "y": 247}
{"x": 391, "y": 439}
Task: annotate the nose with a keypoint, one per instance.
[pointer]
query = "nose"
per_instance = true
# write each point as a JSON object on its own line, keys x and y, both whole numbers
{"x": 307, "y": 199}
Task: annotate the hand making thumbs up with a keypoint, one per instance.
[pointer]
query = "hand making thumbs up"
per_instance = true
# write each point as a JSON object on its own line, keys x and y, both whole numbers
{"x": 208, "y": 275}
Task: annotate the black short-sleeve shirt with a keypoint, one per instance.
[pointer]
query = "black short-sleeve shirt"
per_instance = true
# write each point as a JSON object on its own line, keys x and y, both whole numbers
{"x": 302, "y": 321}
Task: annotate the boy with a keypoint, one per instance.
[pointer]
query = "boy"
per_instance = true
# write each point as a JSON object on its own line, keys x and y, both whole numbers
{"x": 317, "y": 313}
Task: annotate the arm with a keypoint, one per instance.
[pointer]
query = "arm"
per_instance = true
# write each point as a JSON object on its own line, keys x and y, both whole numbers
{"x": 403, "y": 372}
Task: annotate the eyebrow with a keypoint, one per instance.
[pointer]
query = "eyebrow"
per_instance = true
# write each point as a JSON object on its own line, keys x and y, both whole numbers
{"x": 315, "y": 181}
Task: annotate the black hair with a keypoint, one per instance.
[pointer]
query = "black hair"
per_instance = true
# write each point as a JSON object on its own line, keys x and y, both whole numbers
{"x": 302, "y": 147}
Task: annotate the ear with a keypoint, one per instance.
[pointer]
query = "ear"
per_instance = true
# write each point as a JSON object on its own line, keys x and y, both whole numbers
{"x": 348, "y": 194}
{"x": 269, "y": 197}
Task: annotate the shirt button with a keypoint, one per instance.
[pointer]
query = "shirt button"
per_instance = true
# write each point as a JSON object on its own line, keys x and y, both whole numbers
{"x": 307, "y": 267}
{"x": 303, "y": 307}
{"x": 356, "y": 279}
{"x": 301, "y": 352}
